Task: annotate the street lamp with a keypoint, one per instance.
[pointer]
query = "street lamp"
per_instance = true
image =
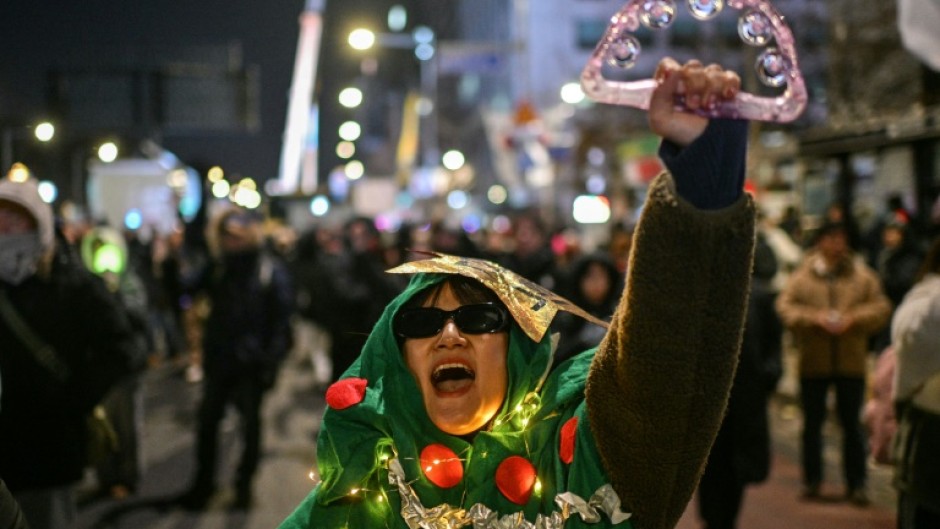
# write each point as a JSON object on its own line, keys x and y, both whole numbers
{"x": 423, "y": 44}
{"x": 44, "y": 132}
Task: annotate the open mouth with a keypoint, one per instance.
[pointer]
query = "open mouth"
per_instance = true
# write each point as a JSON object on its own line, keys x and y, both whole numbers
{"x": 452, "y": 377}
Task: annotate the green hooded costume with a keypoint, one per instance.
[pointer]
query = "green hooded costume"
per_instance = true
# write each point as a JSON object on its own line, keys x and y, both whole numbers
{"x": 630, "y": 421}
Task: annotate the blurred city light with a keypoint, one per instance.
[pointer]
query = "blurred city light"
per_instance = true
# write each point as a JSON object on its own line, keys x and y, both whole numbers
{"x": 319, "y": 206}
{"x": 345, "y": 149}
{"x": 457, "y": 199}
{"x": 424, "y": 106}
{"x": 354, "y": 170}
{"x": 453, "y": 159}
{"x": 48, "y": 191}
{"x": 45, "y": 131}
{"x": 215, "y": 174}
{"x": 245, "y": 194}
{"x": 397, "y": 18}
{"x": 471, "y": 223}
{"x": 423, "y": 35}
{"x": 404, "y": 200}
{"x": 424, "y": 52}
{"x": 591, "y": 209}
{"x": 189, "y": 206}
{"x": 18, "y": 172}
{"x": 133, "y": 219}
{"x": 108, "y": 152}
{"x": 109, "y": 258}
{"x": 596, "y": 184}
{"x": 350, "y": 97}
{"x": 572, "y": 94}
{"x": 361, "y": 39}
{"x": 501, "y": 224}
{"x": 177, "y": 179}
{"x": 221, "y": 189}
{"x": 248, "y": 183}
{"x": 497, "y": 194}
{"x": 350, "y": 131}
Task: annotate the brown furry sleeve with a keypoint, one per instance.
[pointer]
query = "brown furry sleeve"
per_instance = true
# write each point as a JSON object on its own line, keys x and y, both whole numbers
{"x": 659, "y": 384}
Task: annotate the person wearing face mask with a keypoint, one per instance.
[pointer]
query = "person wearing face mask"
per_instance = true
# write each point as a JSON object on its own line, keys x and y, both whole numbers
{"x": 245, "y": 337}
{"x": 65, "y": 341}
{"x": 453, "y": 415}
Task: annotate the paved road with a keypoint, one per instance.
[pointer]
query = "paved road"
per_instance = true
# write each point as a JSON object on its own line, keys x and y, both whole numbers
{"x": 775, "y": 504}
{"x": 292, "y": 411}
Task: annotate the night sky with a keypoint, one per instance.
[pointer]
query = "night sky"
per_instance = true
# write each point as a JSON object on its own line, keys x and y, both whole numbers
{"x": 38, "y": 37}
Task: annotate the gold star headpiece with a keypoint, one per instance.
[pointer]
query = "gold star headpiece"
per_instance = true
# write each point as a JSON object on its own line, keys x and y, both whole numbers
{"x": 532, "y": 306}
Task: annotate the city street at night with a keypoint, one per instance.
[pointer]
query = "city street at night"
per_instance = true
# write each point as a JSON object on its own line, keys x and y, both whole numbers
{"x": 291, "y": 414}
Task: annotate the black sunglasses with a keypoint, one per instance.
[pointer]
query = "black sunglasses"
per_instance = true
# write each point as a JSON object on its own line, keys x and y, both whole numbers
{"x": 421, "y": 322}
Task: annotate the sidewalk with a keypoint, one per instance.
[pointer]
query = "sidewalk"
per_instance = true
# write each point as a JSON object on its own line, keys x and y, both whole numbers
{"x": 775, "y": 504}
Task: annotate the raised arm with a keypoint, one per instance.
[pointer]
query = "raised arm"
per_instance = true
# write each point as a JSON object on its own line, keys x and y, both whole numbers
{"x": 659, "y": 383}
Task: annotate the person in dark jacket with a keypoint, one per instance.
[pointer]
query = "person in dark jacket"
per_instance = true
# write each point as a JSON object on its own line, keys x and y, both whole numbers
{"x": 741, "y": 453}
{"x": 104, "y": 252}
{"x": 11, "y": 516}
{"x": 596, "y": 287}
{"x": 357, "y": 289}
{"x": 897, "y": 264}
{"x": 246, "y": 336}
{"x": 65, "y": 341}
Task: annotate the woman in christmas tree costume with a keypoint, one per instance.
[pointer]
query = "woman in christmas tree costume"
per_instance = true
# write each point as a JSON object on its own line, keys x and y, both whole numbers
{"x": 453, "y": 416}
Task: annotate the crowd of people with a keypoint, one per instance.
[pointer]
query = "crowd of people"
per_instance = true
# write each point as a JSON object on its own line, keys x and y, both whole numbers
{"x": 228, "y": 301}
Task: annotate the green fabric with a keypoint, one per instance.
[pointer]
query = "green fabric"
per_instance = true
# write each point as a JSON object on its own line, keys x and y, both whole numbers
{"x": 391, "y": 421}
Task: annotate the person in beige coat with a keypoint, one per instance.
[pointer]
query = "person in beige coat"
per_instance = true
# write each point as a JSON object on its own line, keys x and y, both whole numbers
{"x": 832, "y": 304}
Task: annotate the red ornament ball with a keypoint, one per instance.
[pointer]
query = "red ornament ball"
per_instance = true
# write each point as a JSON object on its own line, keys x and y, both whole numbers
{"x": 345, "y": 393}
{"x": 515, "y": 478}
{"x": 566, "y": 443}
{"x": 441, "y": 466}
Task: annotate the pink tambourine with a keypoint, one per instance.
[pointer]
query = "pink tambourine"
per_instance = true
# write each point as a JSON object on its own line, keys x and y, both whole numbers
{"x": 758, "y": 24}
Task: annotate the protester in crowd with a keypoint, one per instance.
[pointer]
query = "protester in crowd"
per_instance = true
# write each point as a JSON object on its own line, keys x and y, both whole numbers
{"x": 833, "y": 303}
{"x": 247, "y": 334}
{"x": 791, "y": 223}
{"x": 359, "y": 289}
{"x": 320, "y": 273}
{"x": 597, "y": 290}
{"x": 787, "y": 253}
{"x": 452, "y": 416}
{"x": 531, "y": 254}
{"x": 915, "y": 337}
{"x": 65, "y": 341}
{"x": 11, "y": 515}
{"x": 166, "y": 309}
{"x": 618, "y": 247}
{"x": 893, "y": 213}
{"x": 104, "y": 252}
{"x": 897, "y": 264}
{"x": 741, "y": 453}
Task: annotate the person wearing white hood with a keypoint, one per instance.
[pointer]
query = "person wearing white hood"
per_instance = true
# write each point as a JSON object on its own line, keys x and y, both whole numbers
{"x": 65, "y": 340}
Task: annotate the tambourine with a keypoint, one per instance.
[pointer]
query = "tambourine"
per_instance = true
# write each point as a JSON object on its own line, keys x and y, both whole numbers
{"x": 758, "y": 25}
